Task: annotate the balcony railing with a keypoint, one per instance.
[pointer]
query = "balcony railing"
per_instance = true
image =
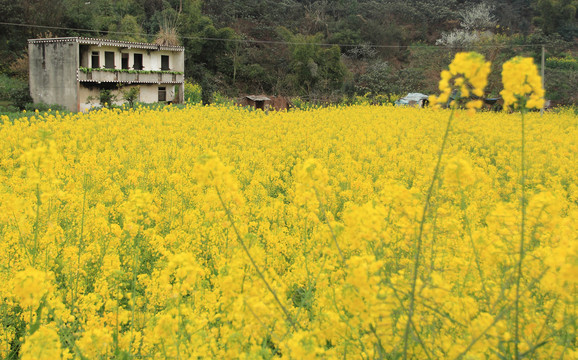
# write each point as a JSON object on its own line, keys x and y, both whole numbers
{"x": 129, "y": 76}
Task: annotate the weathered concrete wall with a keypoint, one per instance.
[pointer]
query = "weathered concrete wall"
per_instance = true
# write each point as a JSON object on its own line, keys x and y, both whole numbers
{"x": 178, "y": 61}
{"x": 181, "y": 94}
{"x": 53, "y": 69}
{"x": 150, "y": 93}
{"x": 87, "y": 97}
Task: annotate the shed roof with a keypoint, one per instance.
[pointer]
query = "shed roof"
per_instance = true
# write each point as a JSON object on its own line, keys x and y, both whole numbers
{"x": 257, "y": 98}
{"x": 108, "y": 42}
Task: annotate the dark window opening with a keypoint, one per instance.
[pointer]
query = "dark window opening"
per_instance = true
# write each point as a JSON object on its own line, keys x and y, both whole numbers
{"x": 165, "y": 62}
{"x": 162, "y": 93}
{"x": 109, "y": 60}
{"x": 83, "y": 56}
{"x": 125, "y": 61}
{"x": 137, "y": 62}
{"x": 43, "y": 56}
{"x": 95, "y": 60}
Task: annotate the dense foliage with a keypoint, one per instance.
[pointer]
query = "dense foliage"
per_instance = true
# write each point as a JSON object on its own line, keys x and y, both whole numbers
{"x": 270, "y": 46}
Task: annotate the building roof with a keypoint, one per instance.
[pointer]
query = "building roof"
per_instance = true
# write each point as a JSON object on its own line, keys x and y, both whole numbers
{"x": 108, "y": 42}
{"x": 257, "y": 98}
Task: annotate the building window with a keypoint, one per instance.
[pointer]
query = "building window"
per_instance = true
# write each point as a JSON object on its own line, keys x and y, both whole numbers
{"x": 125, "y": 61}
{"x": 84, "y": 56}
{"x": 109, "y": 59}
{"x": 162, "y": 93}
{"x": 137, "y": 62}
{"x": 165, "y": 62}
{"x": 95, "y": 60}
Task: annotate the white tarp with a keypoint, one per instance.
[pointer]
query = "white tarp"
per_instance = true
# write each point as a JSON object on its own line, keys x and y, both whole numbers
{"x": 413, "y": 99}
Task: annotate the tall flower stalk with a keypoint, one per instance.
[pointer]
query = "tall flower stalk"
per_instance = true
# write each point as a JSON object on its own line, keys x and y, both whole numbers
{"x": 522, "y": 91}
{"x": 468, "y": 73}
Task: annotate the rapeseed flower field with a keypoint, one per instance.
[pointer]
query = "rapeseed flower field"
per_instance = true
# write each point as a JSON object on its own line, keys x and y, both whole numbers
{"x": 339, "y": 232}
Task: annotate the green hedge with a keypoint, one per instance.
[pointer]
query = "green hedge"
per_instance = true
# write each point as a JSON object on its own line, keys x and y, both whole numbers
{"x": 562, "y": 86}
{"x": 565, "y": 63}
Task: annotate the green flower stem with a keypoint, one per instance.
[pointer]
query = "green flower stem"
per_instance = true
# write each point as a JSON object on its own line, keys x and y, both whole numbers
{"x": 290, "y": 320}
{"x": 521, "y": 251}
{"x": 420, "y": 234}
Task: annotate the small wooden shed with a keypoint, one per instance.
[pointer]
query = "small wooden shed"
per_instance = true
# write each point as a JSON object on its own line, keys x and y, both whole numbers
{"x": 257, "y": 101}
{"x": 265, "y": 102}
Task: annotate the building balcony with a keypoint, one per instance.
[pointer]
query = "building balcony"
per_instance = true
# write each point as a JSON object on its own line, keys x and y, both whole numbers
{"x": 126, "y": 76}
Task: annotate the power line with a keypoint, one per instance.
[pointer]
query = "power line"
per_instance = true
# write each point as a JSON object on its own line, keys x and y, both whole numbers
{"x": 274, "y": 42}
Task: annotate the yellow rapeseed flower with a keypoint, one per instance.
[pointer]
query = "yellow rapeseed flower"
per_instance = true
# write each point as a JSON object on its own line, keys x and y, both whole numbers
{"x": 458, "y": 173}
{"x": 44, "y": 344}
{"x": 469, "y": 72}
{"x": 522, "y": 84}
{"x": 117, "y": 219}
{"x": 30, "y": 286}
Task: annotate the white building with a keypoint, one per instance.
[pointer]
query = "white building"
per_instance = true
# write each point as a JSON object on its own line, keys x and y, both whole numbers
{"x": 73, "y": 71}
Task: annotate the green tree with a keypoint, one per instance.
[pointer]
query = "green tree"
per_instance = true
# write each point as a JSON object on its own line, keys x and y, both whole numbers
{"x": 127, "y": 29}
{"x": 513, "y": 15}
{"x": 557, "y": 16}
{"x": 382, "y": 79}
{"x": 79, "y": 14}
{"x": 426, "y": 12}
{"x": 11, "y": 38}
{"x": 314, "y": 68}
{"x": 206, "y": 45}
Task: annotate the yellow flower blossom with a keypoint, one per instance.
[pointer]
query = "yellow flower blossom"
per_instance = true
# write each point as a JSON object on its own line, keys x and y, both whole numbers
{"x": 469, "y": 72}
{"x": 522, "y": 84}
{"x": 44, "y": 344}
{"x": 30, "y": 286}
{"x": 458, "y": 173}
{"x": 95, "y": 342}
{"x": 115, "y": 239}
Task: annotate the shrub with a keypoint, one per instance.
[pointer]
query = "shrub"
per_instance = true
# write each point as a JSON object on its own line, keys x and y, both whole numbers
{"x": 221, "y": 99}
{"x": 44, "y": 107}
{"x": 562, "y": 86}
{"x": 193, "y": 93}
{"x": 566, "y": 63}
{"x": 302, "y": 104}
{"x": 20, "y": 97}
{"x": 106, "y": 97}
{"x": 14, "y": 90}
{"x": 131, "y": 95}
